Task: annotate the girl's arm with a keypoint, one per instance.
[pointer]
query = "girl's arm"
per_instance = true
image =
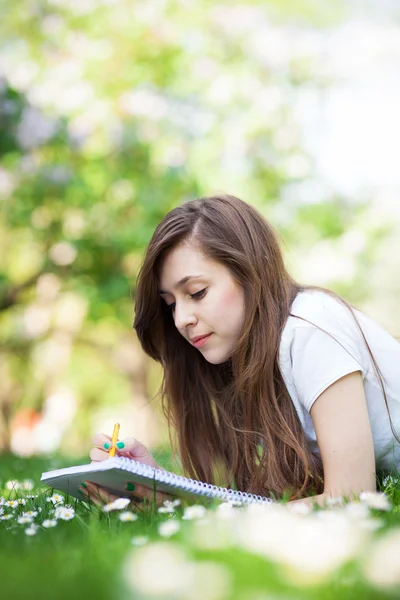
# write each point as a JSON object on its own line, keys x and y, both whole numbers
{"x": 343, "y": 430}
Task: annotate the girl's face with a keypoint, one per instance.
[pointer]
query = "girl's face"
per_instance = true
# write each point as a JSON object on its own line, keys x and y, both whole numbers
{"x": 204, "y": 299}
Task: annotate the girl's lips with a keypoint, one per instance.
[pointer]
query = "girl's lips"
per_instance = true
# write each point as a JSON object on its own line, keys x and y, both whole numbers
{"x": 202, "y": 341}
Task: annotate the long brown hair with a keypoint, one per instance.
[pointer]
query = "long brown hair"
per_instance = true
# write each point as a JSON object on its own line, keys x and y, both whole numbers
{"x": 238, "y": 415}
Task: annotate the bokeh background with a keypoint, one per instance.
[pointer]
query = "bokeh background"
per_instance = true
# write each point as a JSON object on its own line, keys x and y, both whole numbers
{"x": 112, "y": 112}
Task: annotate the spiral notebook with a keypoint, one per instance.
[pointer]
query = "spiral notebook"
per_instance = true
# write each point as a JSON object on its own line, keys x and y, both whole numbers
{"x": 114, "y": 473}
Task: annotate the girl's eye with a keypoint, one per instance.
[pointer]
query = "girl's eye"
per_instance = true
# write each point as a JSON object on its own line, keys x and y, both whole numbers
{"x": 196, "y": 296}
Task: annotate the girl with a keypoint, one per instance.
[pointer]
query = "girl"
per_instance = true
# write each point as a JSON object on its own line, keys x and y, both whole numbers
{"x": 273, "y": 386}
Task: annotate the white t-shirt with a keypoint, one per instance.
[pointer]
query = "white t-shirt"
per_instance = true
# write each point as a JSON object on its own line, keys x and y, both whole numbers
{"x": 311, "y": 360}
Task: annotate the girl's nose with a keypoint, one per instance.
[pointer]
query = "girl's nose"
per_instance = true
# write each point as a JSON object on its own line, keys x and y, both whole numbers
{"x": 183, "y": 317}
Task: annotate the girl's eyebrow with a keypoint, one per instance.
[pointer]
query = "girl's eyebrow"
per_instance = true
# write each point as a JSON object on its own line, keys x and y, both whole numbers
{"x": 182, "y": 281}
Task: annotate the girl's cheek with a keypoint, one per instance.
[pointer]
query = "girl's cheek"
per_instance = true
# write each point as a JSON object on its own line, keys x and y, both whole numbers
{"x": 230, "y": 305}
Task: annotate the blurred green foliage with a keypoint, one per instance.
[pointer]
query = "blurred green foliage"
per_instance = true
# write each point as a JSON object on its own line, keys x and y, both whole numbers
{"x": 111, "y": 114}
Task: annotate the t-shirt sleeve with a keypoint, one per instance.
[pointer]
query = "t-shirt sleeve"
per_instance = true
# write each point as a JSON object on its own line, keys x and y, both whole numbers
{"x": 319, "y": 359}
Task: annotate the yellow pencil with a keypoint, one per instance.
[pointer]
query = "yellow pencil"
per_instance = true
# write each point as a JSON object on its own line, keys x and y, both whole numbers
{"x": 114, "y": 439}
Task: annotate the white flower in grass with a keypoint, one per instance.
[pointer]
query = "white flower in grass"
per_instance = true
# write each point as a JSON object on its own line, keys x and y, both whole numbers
{"x": 6, "y": 517}
{"x": 214, "y": 532}
{"x": 389, "y": 480}
{"x": 139, "y": 540}
{"x": 357, "y": 510}
{"x": 32, "y": 496}
{"x": 11, "y": 503}
{"x": 118, "y": 504}
{"x": 309, "y": 548}
{"x": 27, "y": 484}
{"x": 372, "y": 524}
{"x": 178, "y": 577}
{"x": 24, "y": 520}
{"x": 56, "y": 499}
{"x": 333, "y": 501}
{"x": 128, "y": 516}
{"x": 381, "y": 566}
{"x": 299, "y": 509}
{"x": 30, "y": 513}
{"x": 47, "y": 523}
{"x": 376, "y": 500}
{"x": 21, "y": 501}
{"x": 64, "y": 513}
{"x": 169, "y": 528}
{"x": 227, "y": 510}
{"x": 2, "y": 500}
{"x": 194, "y": 512}
{"x": 225, "y": 506}
{"x": 169, "y": 506}
{"x": 32, "y": 530}
{"x": 13, "y": 484}
{"x": 168, "y": 561}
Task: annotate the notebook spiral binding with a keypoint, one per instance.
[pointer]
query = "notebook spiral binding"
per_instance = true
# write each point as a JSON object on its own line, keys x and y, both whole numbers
{"x": 189, "y": 485}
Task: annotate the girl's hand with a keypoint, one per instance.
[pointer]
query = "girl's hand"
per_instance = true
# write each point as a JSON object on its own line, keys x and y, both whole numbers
{"x": 130, "y": 448}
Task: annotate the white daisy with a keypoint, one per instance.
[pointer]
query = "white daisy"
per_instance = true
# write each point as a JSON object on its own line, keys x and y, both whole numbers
{"x": 333, "y": 501}
{"x": 118, "y": 504}
{"x": 166, "y": 509}
{"x": 27, "y": 484}
{"x": 56, "y": 499}
{"x": 194, "y": 512}
{"x": 24, "y": 520}
{"x": 169, "y": 528}
{"x": 376, "y": 500}
{"x": 128, "y": 516}
{"x": 32, "y": 530}
{"x": 6, "y": 517}
{"x": 64, "y": 513}
{"x": 21, "y": 501}
{"x": 173, "y": 503}
{"x": 169, "y": 506}
{"x": 299, "y": 509}
{"x": 30, "y": 513}
{"x": 13, "y": 484}
{"x": 11, "y": 503}
{"x": 49, "y": 523}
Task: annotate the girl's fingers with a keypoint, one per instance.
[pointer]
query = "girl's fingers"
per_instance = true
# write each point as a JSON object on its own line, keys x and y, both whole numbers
{"x": 96, "y": 454}
{"x": 147, "y": 494}
{"x": 129, "y": 447}
{"x": 97, "y": 494}
{"x": 100, "y": 438}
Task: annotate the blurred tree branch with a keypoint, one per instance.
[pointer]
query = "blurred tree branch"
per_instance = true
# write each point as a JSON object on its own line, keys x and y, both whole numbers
{"x": 10, "y": 297}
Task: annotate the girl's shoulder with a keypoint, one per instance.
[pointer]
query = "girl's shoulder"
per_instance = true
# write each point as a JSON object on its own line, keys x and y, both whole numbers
{"x": 315, "y": 313}
{"x": 318, "y": 308}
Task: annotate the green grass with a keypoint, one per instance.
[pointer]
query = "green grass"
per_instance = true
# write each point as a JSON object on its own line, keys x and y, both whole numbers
{"x": 83, "y": 557}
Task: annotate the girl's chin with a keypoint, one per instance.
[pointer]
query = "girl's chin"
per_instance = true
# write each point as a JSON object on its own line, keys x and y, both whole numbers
{"x": 215, "y": 358}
